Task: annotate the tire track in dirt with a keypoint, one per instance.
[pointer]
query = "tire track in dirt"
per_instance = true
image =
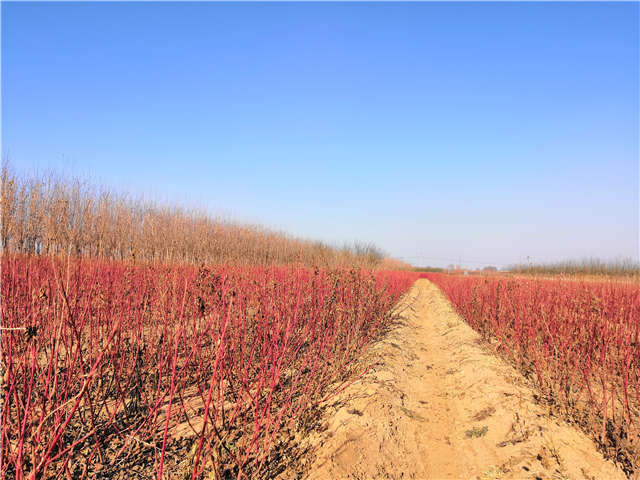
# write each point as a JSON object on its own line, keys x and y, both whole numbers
{"x": 439, "y": 405}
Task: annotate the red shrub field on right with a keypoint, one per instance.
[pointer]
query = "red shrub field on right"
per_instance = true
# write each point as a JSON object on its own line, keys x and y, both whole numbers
{"x": 577, "y": 340}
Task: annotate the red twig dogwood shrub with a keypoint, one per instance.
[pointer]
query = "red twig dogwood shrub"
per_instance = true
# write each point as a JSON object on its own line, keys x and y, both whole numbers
{"x": 115, "y": 370}
{"x": 578, "y": 340}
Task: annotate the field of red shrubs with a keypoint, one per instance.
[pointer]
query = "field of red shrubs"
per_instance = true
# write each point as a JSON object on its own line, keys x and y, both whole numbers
{"x": 121, "y": 370}
{"x": 577, "y": 340}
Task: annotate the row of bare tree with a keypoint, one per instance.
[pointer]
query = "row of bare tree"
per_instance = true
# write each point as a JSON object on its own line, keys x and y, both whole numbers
{"x": 50, "y": 215}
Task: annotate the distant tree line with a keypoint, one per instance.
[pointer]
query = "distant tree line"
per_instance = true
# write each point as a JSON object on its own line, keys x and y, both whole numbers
{"x": 50, "y": 215}
{"x": 428, "y": 269}
{"x": 589, "y": 266}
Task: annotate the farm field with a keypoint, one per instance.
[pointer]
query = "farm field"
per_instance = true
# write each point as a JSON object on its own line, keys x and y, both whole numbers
{"x": 179, "y": 371}
{"x": 115, "y": 369}
{"x": 576, "y": 340}
{"x": 132, "y": 348}
{"x": 441, "y": 404}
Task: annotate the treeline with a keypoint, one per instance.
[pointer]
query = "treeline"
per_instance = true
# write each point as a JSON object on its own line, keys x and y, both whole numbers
{"x": 50, "y": 215}
{"x": 428, "y": 269}
{"x": 590, "y": 266}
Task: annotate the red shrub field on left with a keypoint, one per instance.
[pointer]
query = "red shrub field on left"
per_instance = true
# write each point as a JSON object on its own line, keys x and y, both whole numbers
{"x": 141, "y": 370}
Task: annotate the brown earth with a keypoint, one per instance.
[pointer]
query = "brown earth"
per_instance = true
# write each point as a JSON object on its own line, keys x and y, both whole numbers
{"x": 439, "y": 405}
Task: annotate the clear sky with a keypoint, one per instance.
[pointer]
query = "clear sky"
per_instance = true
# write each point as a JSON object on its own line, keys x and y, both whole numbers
{"x": 482, "y": 132}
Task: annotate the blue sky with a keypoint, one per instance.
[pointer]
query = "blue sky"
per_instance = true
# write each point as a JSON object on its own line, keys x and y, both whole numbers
{"x": 486, "y": 132}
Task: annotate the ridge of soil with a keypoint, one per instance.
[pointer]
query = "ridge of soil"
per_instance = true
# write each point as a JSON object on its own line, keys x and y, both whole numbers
{"x": 439, "y": 405}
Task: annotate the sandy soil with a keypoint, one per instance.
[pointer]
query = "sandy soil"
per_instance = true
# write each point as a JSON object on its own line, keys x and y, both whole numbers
{"x": 439, "y": 405}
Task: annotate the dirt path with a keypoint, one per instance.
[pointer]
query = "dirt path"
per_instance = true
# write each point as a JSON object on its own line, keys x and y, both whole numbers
{"x": 440, "y": 406}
